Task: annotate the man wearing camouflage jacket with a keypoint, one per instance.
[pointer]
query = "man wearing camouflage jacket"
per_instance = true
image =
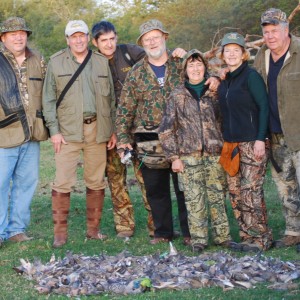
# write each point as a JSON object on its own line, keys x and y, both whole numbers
{"x": 145, "y": 90}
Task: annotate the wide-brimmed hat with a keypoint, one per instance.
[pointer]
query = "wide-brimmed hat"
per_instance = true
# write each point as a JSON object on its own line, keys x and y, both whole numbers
{"x": 76, "y": 26}
{"x": 14, "y": 24}
{"x": 149, "y": 26}
{"x": 273, "y": 16}
{"x": 233, "y": 38}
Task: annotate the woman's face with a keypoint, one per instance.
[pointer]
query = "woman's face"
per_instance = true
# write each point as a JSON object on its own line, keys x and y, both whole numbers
{"x": 195, "y": 70}
{"x": 233, "y": 56}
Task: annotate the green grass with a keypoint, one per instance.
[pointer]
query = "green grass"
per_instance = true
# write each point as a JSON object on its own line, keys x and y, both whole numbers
{"x": 14, "y": 286}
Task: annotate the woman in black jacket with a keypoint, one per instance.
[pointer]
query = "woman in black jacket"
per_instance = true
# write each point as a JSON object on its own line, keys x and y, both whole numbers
{"x": 244, "y": 106}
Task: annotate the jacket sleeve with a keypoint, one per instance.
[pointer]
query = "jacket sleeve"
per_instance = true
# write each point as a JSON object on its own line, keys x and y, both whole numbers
{"x": 126, "y": 110}
{"x": 113, "y": 96}
{"x": 49, "y": 101}
{"x": 136, "y": 52}
{"x": 167, "y": 129}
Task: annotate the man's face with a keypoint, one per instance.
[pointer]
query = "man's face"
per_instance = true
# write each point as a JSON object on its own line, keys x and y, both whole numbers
{"x": 275, "y": 36}
{"x": 78, "y": 42}
{"x": 15, "y": 41}
{"x": 106, "y": 44}
{"x": 154, "y": 43}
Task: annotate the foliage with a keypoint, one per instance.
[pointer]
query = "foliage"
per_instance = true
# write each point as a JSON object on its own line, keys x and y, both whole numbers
{"x": 192, "y": 24}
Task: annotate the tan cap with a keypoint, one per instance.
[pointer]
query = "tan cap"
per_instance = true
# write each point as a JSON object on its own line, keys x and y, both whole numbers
{"x": 76, "y": 26}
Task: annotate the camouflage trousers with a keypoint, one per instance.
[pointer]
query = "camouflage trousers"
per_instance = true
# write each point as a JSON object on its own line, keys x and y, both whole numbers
{"x": 122, "y": 205}
{"x": 247, "y": 197}
{"x": 203, "y": 182}
{"x": 287, "y": 182}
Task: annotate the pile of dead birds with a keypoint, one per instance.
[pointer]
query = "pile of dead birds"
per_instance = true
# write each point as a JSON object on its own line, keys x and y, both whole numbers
{"x": 77, "y": 274}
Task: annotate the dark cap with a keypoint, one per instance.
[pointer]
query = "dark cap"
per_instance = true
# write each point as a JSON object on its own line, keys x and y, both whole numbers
{"x": 149, "y": 26}
{"x": 14, "y": 24}
{"x": 273, "y": 16}
{"x": 233, "y": 38}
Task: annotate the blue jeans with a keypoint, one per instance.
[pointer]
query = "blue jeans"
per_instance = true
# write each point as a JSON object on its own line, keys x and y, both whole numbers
{"x": 19, "y": 174}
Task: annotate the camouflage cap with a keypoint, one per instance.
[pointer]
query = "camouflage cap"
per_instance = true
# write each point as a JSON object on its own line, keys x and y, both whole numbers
{"x": 233, "y": 38}
{"x": 189, "y": 54}
{"x": 149, "y": 26}
{"x": 14, "y": 24}
{"x": 273, "y": 16}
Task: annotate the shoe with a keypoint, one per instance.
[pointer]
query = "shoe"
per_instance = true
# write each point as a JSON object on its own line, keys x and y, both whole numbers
{"x": 125, "y": 234}
{"x": 176, "y": 234}
{"x": 198, "y": 247}
{"x": 187, "y": 241}
{"x": 159, "y": 240}
{"x": 298, "y": 248}
{"x": 21, "y": 237}
{"x": 286, "y": 241}
{"x": 231, "y": 245}
{"x": 250, "y": 247}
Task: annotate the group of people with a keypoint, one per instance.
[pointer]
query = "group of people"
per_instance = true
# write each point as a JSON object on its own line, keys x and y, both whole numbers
{"x": 210, "y": 134}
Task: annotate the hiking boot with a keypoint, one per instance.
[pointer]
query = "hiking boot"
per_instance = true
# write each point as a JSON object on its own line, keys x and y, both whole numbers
{"x": 286, "y": 241}
{"x": 198, "y": 247}
{"x": 125, "y": 234}
{"x": 231, "y": 245}
{"x": 250, "y": 247}
{"x": 21, "y": 237}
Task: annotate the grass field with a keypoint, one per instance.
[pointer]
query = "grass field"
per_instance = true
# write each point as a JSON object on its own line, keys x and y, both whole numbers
{"x": 13, "y": 286}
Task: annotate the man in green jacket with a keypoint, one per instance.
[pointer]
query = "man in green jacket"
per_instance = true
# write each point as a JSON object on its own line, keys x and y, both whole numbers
{"x": 83, "y": 122}
{"x": 278, "y": 61}
{"x": 22, "y": 73}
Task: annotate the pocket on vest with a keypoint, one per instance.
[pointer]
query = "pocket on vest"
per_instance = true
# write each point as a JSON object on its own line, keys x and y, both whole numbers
{"x": 11, "y": 132}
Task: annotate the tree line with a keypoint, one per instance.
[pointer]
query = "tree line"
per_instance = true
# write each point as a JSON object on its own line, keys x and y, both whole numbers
{"x": 192, "y": 24}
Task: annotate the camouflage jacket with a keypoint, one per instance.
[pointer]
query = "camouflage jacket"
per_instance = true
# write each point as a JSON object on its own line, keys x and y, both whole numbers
{"x": 191, "y": 127}
{"x": 142, "y": 99}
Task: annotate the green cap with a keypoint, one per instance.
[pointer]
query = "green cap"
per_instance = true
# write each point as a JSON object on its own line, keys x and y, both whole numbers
{"x": 149, "y": 26}
{"x": 273, "y": 16}
{"x": 14, "y": 24}
{"x": 233, "y": 38}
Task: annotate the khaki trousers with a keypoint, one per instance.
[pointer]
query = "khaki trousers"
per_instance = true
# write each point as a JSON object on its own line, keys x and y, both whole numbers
{"x": 94, "y": 162}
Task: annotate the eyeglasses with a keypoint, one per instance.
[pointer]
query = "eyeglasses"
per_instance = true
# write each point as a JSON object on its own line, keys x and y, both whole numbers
{"x": 154, "y": 39}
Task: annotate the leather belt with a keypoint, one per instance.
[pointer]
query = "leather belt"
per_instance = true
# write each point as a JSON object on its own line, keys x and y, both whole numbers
{"x": 90, "y": 120}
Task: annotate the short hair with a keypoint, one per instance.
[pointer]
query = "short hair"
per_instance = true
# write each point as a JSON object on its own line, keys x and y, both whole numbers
{"x": 102, "y": 27}
{"x": 193, "y": 57}
{"x": 246, "y": 53}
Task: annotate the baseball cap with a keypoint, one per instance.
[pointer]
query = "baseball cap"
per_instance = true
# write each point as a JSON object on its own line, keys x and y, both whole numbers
{"x": 190, "y": 53}
{"x": 14, "y": 24}
{"x": 149, "y": 26}
{"x": 233, "y": 38}
{"x": 273, "y": 16}
{"x": 76, "y": 26}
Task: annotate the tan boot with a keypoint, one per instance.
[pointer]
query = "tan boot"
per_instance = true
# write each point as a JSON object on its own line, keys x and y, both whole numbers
{"x": 60, "y": 211}
{"x": 94, "y": 205}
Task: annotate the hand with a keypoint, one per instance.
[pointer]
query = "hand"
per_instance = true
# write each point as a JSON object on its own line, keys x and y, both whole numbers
{"x": 112, "y": 142}
{"x": 179, "y": 52}
{"x": 57, "y": 140}
{"x": 223, "y": 72}
{"x": 259, "y": 149}
{"x": 121, "y": 148}
{"x": 213, "y": 83}
{"x": 177, "y": 166}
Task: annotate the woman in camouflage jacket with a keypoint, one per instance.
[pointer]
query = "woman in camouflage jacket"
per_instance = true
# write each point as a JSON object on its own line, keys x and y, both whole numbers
{"x": 191, "y": 139}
